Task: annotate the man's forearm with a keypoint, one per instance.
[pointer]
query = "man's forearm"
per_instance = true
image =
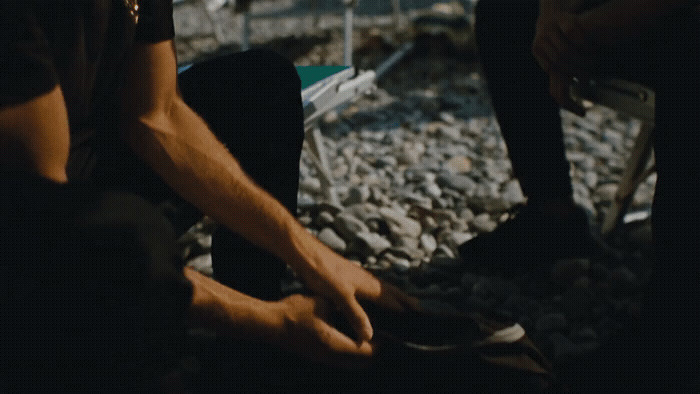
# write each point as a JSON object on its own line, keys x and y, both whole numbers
{"x": 231, "y": 313}
{"x": 616, "y": 20}
{"x": 180, "y": 147}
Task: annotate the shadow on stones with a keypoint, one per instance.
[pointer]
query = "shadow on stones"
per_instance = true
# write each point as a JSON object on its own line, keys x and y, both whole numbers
{"x": 292, "y": 48}
{"x": 428, "y": 68}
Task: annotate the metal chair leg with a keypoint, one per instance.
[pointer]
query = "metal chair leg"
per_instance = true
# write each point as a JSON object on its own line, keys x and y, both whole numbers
{"x": 314, "y": 141}
{"x": 635, "y": 172}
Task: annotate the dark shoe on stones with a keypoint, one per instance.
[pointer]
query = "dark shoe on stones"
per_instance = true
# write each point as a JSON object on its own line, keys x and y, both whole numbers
{"x": 530, "y": 241}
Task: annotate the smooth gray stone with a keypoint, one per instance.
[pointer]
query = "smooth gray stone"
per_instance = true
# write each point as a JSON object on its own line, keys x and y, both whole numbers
{"x": 445, "y": 251}
{"x": 348, "y": 226}
{"x": 482, "y": 223}
{"x": 450, "y": 132}
{"x": 406, "y": 252}
{"x": 406, "y": 242}
{"x": 310, "y": 185}
{"x": 512, "y": 192}
{"x": 399, "y": 264}
{"x": 305, "y": 201}
{"x": 432, "y": 190}
{"x": 386, "y": 162}
{"x": 357, "y": 195}
{"x": 325, "y": 218}
{"x": 458, "y": 182}
{"x": 399, "y": 224}
{"x": 333, "y": 209}
{"x": 368, "y": 244}
{"x": 332, "y": 240}
{"x": 428, "y": 243}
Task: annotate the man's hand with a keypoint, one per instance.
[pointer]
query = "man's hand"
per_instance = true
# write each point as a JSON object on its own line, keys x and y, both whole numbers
{"x": 561, "y": 49}
{"x": 298, "y": 323}
{"x": 344, "y": 282}
{"x": 307, "y": 330}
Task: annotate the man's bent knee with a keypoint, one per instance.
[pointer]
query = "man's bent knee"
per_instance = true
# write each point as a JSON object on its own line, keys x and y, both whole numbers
{"x": 276, "y": 67}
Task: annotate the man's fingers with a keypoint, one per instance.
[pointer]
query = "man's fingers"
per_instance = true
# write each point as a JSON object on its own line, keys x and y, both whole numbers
{"x": 339, "y": 343}
{"x": 357, "y": 317}
{"x": 386, "y": 294}
{"x": 373, "y": 289}
{"x": 368, "y": 286}
{"x": 341, "y": 351}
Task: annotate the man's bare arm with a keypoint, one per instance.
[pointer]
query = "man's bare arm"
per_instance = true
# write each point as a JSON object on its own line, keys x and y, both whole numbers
{"x": 177, "y": 143}
{"x": 35, "y": 136}
{"x": 179, "y": 146}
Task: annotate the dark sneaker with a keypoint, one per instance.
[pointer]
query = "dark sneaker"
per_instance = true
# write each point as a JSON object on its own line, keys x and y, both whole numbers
{"x": 530, "y": 241}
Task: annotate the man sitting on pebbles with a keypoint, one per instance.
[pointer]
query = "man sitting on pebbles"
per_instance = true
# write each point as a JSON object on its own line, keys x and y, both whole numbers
{"x": 90, "y": 101}
{"x": 530, "y": 50}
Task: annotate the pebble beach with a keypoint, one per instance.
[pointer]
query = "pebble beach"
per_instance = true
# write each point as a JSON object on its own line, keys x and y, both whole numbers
{"x": 419, "y": 167}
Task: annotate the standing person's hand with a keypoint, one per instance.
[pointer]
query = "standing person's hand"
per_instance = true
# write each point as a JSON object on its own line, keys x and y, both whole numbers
{"x": 561, "y": 49}
{"x": 560, "y": 43}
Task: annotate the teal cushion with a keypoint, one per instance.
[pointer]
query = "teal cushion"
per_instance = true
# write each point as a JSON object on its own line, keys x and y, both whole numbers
{"x": 312, "y": 74}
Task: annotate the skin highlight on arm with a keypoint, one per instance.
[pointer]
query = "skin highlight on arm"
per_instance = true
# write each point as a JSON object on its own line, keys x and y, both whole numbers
{"x": 35, "y": 136}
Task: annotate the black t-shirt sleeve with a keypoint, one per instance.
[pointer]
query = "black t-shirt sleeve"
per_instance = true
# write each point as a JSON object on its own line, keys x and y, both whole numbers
{"x": 26, "y": 64}
{"x": 155, "y": 21}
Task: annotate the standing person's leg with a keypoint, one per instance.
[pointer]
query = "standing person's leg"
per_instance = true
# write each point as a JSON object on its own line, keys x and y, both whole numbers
{"x": 550, "y": 225}
{"x": 661, "y": 353}
{"x": 252, "y": 102}
{"x": 527, "y": 115}
{"x": 673, "y": 298}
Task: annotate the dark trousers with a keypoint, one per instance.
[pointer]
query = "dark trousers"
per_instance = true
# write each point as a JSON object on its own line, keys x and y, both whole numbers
{"x": 667, "y": 58}
{"x": 252, "y": 102}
